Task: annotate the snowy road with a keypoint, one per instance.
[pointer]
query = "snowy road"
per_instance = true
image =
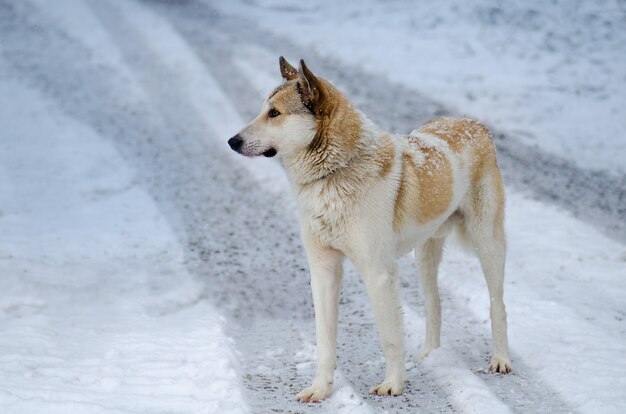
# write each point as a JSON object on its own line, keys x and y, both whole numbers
{"x": 128, "y": 228}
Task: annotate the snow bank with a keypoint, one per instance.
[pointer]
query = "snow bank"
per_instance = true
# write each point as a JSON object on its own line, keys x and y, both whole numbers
{"x": 98, "y": 313}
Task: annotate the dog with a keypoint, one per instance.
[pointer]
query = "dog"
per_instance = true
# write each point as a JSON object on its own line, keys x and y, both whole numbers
{"x": 371, "y": 197}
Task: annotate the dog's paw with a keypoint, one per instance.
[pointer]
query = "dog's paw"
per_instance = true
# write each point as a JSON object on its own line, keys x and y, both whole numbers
{"x": 314, "y": 393}
{"x": 425, "y": 352}
{"x": 393, "y": 388}
{"x": 500, "y": 364}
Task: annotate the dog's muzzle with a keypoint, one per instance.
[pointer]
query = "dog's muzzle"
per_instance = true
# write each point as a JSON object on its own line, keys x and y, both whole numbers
{"x": 239, "y": 145}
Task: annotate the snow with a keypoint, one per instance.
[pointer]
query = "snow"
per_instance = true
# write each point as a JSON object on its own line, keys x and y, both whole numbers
{"x": 107, "y": 305}
{"x": 465, "y": 389}
{"x": 98, "y": 312}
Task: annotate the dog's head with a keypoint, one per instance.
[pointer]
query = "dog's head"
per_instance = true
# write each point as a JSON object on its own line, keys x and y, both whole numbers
{"x": 288, "y": 120}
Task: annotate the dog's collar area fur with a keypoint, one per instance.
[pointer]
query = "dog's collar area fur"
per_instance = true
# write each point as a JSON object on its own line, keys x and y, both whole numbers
{"x": 330, "y": 173}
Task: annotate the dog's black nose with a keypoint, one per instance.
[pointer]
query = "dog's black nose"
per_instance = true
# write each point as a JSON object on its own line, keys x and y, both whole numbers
{"x": 235, "y": 142}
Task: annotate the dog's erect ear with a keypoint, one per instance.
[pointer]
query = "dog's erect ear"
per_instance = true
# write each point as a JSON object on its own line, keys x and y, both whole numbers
{"x": 311, "y": 88}
{"x": 287, "y": 71}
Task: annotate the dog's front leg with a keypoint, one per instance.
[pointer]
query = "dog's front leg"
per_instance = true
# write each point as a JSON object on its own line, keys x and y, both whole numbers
{"x": 382, "y": 288}
{"x": 326, "y": 273}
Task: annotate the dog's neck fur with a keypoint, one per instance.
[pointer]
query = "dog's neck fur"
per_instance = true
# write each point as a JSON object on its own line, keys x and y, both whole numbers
{"x": 344, "y": 140}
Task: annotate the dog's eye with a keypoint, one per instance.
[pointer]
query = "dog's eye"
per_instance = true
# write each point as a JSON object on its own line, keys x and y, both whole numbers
{"x": 273, "y": 113}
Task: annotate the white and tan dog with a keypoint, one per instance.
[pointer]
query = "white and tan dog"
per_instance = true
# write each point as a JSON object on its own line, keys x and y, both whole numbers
{"x": 371, "y": 197}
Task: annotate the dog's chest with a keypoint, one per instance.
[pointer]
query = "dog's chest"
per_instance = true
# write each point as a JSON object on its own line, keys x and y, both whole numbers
{"x": 325, "y": 211}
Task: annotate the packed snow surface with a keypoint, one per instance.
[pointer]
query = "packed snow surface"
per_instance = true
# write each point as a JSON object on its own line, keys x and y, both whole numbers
{"x": 145, "y": 268}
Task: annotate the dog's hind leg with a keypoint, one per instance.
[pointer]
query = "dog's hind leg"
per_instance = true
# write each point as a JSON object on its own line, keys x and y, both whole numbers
{"x": 491, "y": 253}
{"x": 485, "y": 227}
{"x": 427, "y": 258}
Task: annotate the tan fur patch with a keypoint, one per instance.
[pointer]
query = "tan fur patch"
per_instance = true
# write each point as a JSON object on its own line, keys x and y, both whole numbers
{"x": 465, "y": 134}
{"x": 425, "y": 189}
{"x": 457, "y": 132}
{"x": 337, "y": 122}
{"x": 385, "y": 155}
{"x": 435, "y": 184}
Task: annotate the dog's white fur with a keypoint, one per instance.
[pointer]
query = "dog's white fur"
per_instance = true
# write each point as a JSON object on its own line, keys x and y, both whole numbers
{"x": 370, "y": 197}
